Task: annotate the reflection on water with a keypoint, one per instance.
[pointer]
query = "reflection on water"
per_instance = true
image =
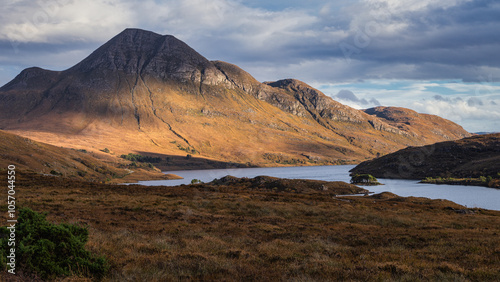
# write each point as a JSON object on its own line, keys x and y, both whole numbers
{"x": 470, "y": 196}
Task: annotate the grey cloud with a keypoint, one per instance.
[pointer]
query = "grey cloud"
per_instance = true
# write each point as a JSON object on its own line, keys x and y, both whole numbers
{"x": 375, "y": 102}
{"x": 472, "y": 102}
{"x": 347, "y": 95}
{"x": 475, "y": 102}
{"x": 441, "y": 98}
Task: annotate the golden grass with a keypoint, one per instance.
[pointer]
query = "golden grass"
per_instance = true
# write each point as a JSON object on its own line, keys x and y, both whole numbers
{"x": 201, "y": 233}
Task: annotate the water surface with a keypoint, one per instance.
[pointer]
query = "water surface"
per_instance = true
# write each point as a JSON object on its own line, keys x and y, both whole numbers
{"x": 470, "y": 196}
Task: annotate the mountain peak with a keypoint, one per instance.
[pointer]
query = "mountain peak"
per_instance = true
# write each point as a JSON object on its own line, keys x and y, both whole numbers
{"x": 133, "y": 31}
{"x": 137, "y": 51}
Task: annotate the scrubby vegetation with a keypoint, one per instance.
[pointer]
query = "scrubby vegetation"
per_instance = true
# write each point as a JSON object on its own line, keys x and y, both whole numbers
{"x": 140, "y": 161}
{"x": 140, "y": 158}
{"x": 196, "y": 181}
{"x": 51, "y": 250}
{"x": 487, "y": 181}
{"x": 236, "y": 232}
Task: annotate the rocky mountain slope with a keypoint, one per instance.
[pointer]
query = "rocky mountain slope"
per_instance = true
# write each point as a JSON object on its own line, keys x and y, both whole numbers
{"x": 469, "y": 157}
{"x": 148, "y": 93}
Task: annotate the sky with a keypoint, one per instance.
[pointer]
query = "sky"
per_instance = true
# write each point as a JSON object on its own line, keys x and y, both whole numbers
{"x": 437, "y": 57}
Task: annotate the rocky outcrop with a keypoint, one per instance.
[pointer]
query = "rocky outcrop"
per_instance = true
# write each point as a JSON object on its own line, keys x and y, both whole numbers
{"x": 275, "y": 184}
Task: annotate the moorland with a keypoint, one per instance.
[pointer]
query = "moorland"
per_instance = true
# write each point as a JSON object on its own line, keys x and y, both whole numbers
{"x": 231, "y": 230}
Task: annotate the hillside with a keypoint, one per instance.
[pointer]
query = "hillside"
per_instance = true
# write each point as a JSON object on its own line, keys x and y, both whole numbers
{"x": 31, "y": 156}
{"x": 469, "y": 157}
{"x": 153, "y": 94}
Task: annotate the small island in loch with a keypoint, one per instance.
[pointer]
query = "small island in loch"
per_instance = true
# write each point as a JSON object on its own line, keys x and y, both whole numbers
{"x": 365, "y": 180}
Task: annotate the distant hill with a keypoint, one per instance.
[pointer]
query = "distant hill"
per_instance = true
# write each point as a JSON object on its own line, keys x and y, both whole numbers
{"x": 144, "y": 92}
{"x": 31, "y": 156}
{"x": 469, "y": 157}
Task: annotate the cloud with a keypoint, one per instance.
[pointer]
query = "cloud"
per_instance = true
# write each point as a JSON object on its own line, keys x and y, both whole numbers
{"x": 422, "y": 40}
{"x": 475, "y": 116}
{"x": 349, "y": 98}
{"x": 472, "y": 105}
{"x": 475, "y": 102}
{"x": 374, "y": 102}
{"x": 63, "y": 21}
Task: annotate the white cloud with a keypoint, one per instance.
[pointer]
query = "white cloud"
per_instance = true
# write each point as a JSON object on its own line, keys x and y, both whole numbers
{"x": 473, "y": 116}
{"x": 58, "y": 21}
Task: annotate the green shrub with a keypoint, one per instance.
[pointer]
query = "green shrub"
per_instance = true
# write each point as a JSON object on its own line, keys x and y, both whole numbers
{"x": 51, "y": 250}
{"x": 196, "y": 181}
{"x": 55, "y": 172}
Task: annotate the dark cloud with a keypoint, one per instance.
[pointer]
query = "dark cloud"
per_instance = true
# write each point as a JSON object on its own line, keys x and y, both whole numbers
{"x": 439, "y": 43}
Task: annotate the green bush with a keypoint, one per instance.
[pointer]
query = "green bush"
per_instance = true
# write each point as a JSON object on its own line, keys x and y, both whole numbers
{"x": 55, "y": 172}
{"x": 51, "y": 250}
{"x": 196, "y": 181}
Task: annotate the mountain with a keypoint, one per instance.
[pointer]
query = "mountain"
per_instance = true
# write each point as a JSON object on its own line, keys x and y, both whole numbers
{"x": 469, "y": 157}
{"x": 148, "y": 93}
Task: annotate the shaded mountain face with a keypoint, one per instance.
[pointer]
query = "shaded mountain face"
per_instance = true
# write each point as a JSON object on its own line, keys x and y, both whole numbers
{"x": 145, "y": 92}
{"x": 469, "y": 157}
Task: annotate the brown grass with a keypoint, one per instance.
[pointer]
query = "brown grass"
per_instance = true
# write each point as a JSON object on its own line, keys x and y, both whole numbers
{"x": 228, "y": 234}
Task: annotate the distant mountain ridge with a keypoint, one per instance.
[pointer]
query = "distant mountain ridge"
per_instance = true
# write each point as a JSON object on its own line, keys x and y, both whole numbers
{"x": 145, "y": 92}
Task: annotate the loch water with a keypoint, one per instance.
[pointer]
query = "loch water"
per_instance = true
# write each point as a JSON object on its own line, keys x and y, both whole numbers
{"x": 470, "y": 196}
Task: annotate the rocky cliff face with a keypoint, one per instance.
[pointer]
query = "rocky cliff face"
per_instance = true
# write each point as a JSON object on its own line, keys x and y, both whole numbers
{"x": 146, "y": 92}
